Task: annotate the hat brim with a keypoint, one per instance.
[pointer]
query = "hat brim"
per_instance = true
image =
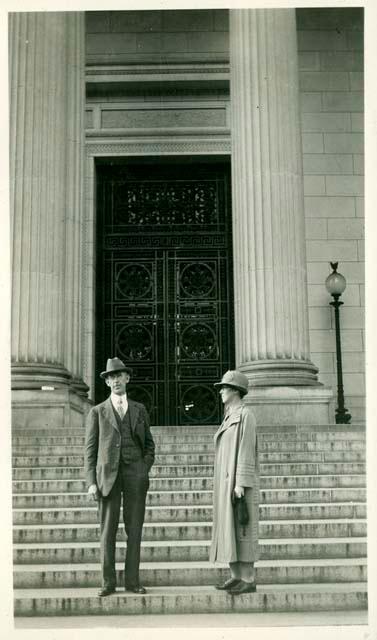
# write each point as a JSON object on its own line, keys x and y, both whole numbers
{"x": 104, "y": 374}
{"x": 218, "y": 385}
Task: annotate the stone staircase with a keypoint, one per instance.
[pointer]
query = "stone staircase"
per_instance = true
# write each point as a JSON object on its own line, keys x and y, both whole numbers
{"x": 312, "y": 526}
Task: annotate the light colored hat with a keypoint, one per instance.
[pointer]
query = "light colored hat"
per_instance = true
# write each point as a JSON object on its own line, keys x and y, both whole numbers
{"x": 114, "y": 364}
{"x": 234, "y": 379}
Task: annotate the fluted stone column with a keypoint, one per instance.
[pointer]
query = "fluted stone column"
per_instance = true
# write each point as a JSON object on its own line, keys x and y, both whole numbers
{"x": 75, "y": 197}
{"x": 46, "y": 179}
{"x": 272, "y": 336}
{"x": 271, "y": 308}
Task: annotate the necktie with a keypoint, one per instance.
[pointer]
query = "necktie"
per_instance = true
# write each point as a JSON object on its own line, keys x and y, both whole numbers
{"x": 120, "y": 408}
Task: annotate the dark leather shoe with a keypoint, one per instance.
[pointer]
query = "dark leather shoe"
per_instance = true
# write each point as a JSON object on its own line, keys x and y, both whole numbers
{"x": 243, "y": 587}
{"x": 106, "y": 591}
{"x": 228, "y": 584}
{"x": 136, "y": 589}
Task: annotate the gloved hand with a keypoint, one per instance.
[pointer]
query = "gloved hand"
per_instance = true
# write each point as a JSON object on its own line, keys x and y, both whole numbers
{"x": 239, "y": 491}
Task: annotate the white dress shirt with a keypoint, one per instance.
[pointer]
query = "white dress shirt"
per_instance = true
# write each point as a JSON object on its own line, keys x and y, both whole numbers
{"x": 115, "y": 399}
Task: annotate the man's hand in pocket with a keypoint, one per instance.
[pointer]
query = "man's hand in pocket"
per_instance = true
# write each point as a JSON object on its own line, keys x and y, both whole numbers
{"x": 93, "y": 492}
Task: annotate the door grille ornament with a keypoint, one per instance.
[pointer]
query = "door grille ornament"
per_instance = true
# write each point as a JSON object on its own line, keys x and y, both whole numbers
{"x": 143, "y": 394}
{"x": 134, "y": 342}
{"x": 198, "y": 280}
{"x": 134, "y": 281}
{"x": 198, "y": 403}
{"x": 163, "y": 202}
{"x": 198, "y": 341}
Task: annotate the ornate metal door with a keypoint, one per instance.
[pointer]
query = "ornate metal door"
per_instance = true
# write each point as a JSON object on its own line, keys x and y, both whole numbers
{"x": 164, "y": 285}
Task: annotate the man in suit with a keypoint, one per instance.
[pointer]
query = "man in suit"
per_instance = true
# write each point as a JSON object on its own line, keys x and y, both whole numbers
{"x": 119, "y": 452}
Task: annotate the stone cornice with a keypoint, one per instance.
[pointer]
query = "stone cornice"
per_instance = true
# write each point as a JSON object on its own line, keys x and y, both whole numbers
{"x": 177, "y": 133}
{"x": 121, "y": 78}
{"x": 123, "y": 72}
{"x": 157, "y": 67}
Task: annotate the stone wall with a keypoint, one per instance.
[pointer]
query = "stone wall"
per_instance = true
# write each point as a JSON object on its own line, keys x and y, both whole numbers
{"x": 153, "y": 36}
{"x": 330, "y": 45}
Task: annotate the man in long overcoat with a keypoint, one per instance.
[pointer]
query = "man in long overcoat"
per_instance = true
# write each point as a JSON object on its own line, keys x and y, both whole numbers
{"x": 236, "y": 473}
{"x": 119, "y": 452}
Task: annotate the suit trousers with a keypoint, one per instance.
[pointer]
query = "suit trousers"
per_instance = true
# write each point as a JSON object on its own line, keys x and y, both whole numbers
{"x": 132, "y": 482}
{"x": 242, "y": 571}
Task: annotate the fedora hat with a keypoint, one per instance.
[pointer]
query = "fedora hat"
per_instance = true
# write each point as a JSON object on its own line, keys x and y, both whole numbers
{"x": 114, "y": 364}
{"x": 234, "y": 379}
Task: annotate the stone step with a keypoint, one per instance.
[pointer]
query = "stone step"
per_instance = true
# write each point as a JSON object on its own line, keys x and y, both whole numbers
{"x": 199, "y": 458}
{"x": 183, "y": 430}
{"x": 192, "y": 573}
{"x": 290, "y": 446}
{"x": 56, "y": 473}
{"x": 326, "y": 481}
{"x": 326, "y": 528}
{"x": 312, "y": 525}
{"x": 174, "y": 471}
{"x": 183, "y": 513}
{"x": 323, "y": 494}
{"x": 154, "y": 498}
{"x": 188, "y": 550}
{"x": 248, "y": 620}
{"x": 174, "y": 498}
{"x": 206, "y": 599}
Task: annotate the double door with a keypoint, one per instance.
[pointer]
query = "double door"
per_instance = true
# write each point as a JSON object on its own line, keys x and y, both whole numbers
{"x": 164, "y": 288}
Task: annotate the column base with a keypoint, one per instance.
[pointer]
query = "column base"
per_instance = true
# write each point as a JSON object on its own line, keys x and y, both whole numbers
{"x": 45, "y": 395}
{"x": 280, "y": 372}
{"x": 276, "y": 406}
{"x": 80, "y": 387}
{"x": 48, "y": 409}
{"x": 35, "y": 375}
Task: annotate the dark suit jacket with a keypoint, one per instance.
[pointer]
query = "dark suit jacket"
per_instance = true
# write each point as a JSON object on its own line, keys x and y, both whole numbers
{"x": 103, "y": 442}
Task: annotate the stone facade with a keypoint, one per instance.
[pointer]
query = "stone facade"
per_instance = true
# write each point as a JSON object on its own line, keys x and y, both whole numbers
{"x": 215, "y": 90}
{"x": 158, "y": 84}
{"x": 330, "y": 59}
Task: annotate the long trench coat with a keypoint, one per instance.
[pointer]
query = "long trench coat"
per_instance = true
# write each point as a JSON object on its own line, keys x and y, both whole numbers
{"x": 232, "y": 542}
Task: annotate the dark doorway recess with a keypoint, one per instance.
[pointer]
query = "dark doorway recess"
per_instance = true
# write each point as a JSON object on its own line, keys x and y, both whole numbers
{"x": 164, "y": 294}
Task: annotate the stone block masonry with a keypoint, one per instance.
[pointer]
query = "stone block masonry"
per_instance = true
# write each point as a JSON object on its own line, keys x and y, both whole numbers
{"x": 330, "y": 43}
{"x": 157, "y": 36}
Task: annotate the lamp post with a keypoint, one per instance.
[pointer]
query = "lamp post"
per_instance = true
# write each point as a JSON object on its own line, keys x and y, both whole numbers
{"x": 335, "y": 285}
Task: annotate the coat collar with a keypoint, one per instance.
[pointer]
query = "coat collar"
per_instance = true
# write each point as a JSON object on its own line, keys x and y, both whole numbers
{"x": 233, "y": 417}
{"x": 109, "y": 414}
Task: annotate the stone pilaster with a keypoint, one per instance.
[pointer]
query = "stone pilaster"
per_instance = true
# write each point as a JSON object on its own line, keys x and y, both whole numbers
{"x": 46, "y": 183}
{"x": 271, "y": 309}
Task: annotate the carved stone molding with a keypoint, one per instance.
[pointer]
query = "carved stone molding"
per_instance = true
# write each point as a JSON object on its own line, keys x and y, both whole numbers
{"x": 158, "y": 147}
